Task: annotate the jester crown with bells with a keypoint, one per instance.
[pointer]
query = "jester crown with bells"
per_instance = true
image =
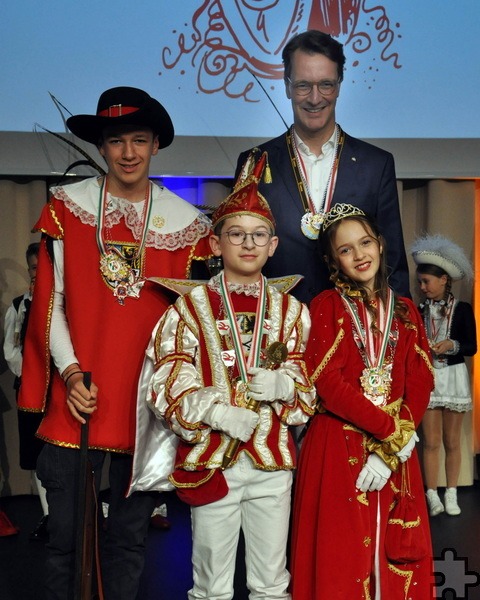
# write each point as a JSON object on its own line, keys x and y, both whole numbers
{"x": 245, "y": 198}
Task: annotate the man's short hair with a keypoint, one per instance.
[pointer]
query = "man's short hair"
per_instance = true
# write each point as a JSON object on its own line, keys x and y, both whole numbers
{"x": 314, "y": 42}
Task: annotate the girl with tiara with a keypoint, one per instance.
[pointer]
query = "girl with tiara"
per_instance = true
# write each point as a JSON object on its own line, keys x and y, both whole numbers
{"x": 369, "y": 359}
{"x": 450, "y": 326}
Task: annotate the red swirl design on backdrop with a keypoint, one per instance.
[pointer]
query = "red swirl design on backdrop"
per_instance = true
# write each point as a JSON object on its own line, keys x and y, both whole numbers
{"x": 335, "y": 17}
{"x": 226, "y": 42}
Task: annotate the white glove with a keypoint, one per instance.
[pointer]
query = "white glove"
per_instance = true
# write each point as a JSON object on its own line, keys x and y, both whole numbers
{"x": 406, "y": 452}
{"x": 374, "y": 475}
{"x": 267, "y": 386}
{"x": 237, "y": 422}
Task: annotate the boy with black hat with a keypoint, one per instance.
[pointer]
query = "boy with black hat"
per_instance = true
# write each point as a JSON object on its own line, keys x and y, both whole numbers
{"x": 93, "y": 310}
{"x": 230, "y": 380}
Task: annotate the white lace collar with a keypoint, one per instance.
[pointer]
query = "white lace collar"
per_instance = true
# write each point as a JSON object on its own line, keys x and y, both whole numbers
{"x": 249, "y": 289}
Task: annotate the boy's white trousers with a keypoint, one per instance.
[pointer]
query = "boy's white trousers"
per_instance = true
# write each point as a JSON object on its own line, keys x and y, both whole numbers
{"x": 259, "y": 503}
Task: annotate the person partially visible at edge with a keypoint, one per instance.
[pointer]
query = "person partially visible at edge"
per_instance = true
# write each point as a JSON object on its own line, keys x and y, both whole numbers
{"x": 16, "y": 320}
{"x": 234, "y": 340}
{"x": 355, "y": 532}
{"x": 451, "y": 329}
{"x": 93, "y": 310}
{"x": 315, "y": 164}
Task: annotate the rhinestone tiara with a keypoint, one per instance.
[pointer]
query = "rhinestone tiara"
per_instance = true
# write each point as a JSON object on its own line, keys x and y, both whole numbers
{"x": 338, "y": 212}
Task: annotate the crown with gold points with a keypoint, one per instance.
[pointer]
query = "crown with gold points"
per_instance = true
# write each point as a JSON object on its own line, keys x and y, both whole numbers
{"x": 339, "y": 212}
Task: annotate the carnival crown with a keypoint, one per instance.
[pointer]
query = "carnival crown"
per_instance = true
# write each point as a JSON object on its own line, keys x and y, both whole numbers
{"x": 338, "y": 212}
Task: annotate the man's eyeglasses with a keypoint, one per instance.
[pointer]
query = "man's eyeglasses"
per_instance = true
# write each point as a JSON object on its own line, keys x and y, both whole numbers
{"x": 303, "y": 88}
{"x": 237, "y": 237}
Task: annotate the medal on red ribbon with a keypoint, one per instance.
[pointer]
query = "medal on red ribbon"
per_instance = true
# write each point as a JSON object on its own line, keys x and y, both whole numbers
{"x": 376, "y": 378}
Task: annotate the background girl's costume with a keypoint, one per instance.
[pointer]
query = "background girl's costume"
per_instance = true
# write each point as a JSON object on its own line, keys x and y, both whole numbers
{"x": 451, "y": 319}
{"x": 452, "y": 383}
{"x": 446, "y": 319}
{"x": 326, "y": 564}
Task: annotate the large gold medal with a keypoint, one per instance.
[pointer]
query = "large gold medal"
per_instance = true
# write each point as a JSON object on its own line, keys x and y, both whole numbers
{"x": 311, "y": 224}
{"x": 124, "y": 279}
{"x": 376, "y": 383}
{"x": 114, "y": 267}
{"x": 275, "y": 354}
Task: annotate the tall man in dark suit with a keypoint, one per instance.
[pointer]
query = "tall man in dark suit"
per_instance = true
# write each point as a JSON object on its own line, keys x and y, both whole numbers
{"x": 315, "y": 165}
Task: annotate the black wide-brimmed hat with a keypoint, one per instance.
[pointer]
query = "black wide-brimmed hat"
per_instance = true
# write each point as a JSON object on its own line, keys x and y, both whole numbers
{"x": 124, "y": 106}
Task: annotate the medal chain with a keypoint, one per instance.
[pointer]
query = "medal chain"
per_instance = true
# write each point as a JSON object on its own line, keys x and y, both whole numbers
{"x": 376, "y": 378}
{"x": 300, "y": 171}
{"x": 104, "y": 240}
{"x": 365, "y": 333}
{"x": 119, "y": 271}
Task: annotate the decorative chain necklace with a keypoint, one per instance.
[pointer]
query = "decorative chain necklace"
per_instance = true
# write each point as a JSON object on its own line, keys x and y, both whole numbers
{"x": 120, "y": 271}
{"x": 312, "y": 219}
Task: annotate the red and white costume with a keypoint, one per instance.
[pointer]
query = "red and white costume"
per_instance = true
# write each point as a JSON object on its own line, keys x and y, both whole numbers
{"x": 338, "y": 531}
{"x": 194, "y": 352}
{"x": 108, "y": 339}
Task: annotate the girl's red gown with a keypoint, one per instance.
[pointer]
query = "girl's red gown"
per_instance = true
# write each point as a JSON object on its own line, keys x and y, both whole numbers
{"x": 334, "y": 524}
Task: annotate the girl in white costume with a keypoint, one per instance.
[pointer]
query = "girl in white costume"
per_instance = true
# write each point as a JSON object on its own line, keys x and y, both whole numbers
{"x": 450, "y": 326}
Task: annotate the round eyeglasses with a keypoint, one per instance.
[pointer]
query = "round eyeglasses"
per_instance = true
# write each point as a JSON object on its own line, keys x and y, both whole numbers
{"x": 237, "y": 237}
{"x": 303, "y": 88}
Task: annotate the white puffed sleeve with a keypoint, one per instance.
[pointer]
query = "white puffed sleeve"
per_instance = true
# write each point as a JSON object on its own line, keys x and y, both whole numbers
{"x": 176, "y": 391}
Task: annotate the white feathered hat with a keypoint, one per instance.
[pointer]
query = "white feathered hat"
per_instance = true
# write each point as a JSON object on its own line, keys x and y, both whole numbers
{"x": 442, "y": 252}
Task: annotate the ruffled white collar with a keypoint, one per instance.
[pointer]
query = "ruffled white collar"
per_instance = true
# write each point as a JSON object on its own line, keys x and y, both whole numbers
{"x": 249, "y": 289}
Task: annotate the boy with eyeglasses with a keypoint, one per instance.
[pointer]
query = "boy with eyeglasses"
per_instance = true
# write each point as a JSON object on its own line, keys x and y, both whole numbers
{"x": 229, "y": 380}
{"x": 315, "y": 165}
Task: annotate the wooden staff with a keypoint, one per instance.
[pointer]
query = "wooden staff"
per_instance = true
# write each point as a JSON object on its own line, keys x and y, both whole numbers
{"x": 276, "y": 353}
{"x": 85, "y": 532}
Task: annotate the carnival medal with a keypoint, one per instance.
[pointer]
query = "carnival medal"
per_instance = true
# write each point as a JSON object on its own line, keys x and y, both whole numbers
{"x": 311, "y": 224}
{"x": 376, "y": 378}
{"x": 376, "y": 383}
{"x": 119, "y": 272}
